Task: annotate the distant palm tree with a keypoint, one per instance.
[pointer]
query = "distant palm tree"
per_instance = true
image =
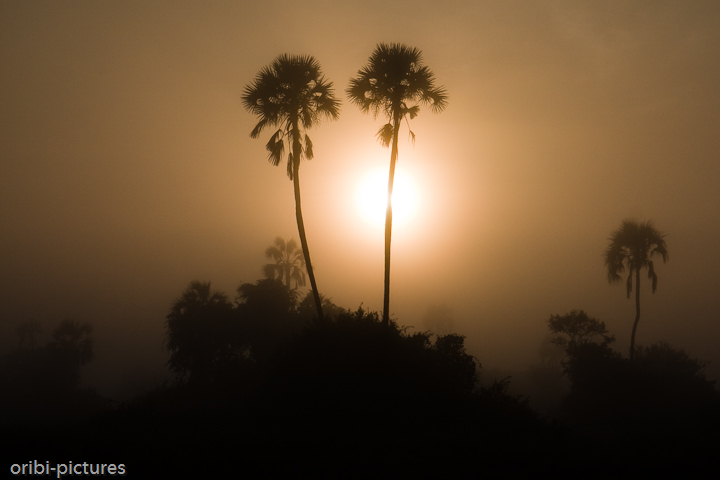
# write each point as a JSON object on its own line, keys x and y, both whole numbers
{"x": 289, "y": 265}
{"x": 292, "y": 93}
{"x": 631, "y": 248}
{"x": 393, "y": 83}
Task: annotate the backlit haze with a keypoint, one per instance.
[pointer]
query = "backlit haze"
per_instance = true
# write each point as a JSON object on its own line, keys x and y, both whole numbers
{"x": 127, "y": 169}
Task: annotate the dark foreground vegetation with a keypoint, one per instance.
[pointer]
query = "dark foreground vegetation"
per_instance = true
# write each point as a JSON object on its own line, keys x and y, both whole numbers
{"x": 264, "y": 388}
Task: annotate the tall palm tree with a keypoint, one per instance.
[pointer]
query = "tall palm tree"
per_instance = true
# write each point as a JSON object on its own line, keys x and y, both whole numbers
{"x": 631, "y": 247}
{"x": 289, "y": 264}
{"x": 292, "y": 94}
{"x": 394, "y": 83}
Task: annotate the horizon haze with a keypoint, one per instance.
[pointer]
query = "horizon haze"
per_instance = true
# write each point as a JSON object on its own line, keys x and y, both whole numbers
{"x": 127, "y": 169}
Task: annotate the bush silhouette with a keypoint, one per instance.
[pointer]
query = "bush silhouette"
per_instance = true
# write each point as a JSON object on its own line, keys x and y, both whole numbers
{"x": 41, "y": 384}
{"x": 356, "y": 356}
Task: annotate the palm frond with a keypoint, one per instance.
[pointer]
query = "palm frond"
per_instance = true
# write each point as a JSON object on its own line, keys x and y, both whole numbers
{"x": 652, "y": 275}
{"x": 412, "y": 111}
{"x": 308, "y": 148}
{"x": 629, "y": 285}
{"x": 385, "y": 134}
{"x": 436, "y": 99}
{"x": 259, "y": 127}
{"x": 325, "y": 103}
{"x": 291, "y": 247}
{"x": 290, "y": 166}
{"x": 299, "y": 277}
{"x": 275, "y": 148}
{"x": 274, "y": 253}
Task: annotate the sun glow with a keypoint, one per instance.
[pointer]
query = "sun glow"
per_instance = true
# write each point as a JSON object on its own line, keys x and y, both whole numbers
{"x": 371, "y": 198}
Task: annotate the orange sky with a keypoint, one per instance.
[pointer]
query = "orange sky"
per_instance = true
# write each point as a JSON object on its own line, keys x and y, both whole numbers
{"x": 127, "y": 170}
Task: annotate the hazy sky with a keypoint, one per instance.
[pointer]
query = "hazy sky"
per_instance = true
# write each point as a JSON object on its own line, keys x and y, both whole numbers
{"x": 127, "y": 170}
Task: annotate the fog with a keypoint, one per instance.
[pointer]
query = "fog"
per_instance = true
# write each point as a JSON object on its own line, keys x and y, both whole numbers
{"x": 127, "y": 170}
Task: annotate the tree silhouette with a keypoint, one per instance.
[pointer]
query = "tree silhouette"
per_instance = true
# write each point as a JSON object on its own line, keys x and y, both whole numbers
{"x": 200, "y": 336}
{"x": 289, "y": 263}
{"x": 631, "y": 248}
{"x": 585, "y": 340}
{"x": 292, "y": 93}
{"x": 42, "y": 383}
{"x": 393, "y": 83}
{"x": 268, "y": 309}
{"x": 577, "y": 328}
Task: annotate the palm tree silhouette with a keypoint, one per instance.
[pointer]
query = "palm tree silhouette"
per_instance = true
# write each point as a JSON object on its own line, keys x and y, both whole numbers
{"x": 632, "y": 247}
{"x": 289, "y": 264}
{"x": 393, "y": 83}
{"x": 292, "y": 93}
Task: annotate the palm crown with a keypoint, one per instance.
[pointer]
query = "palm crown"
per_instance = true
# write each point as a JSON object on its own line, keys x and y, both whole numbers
{"x": 289, "y": 263}
{"x": 393, "y": 83}
{"x": 290, "y": 93}
{"x": 632, "y": 247}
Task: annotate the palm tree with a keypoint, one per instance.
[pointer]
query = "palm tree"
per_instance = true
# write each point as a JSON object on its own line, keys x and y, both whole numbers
{"x": 632, "y": 247}
{"x": 393, "y": 83}
{"x": 289, "y": 264}
{"x": 292, "y": 94}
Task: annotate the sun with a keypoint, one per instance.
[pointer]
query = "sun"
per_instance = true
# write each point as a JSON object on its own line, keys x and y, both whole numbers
{"x": 371, "y": 198}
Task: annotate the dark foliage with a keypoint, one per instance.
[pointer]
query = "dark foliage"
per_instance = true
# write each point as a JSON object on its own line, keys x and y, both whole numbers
{"x": 41, "y": 384}
{"x": 669, "y": 380}
{"x": 308, "y": 313}
{"x": 267, "y": 309}
{"x": 577, "y": 328}
{"x": 203, "y": 335}
{"x": 354, "y": 354}
{"x": 348, "y": 397}
{"x": 657, "y": 410}
{"x": 209, "y": 337}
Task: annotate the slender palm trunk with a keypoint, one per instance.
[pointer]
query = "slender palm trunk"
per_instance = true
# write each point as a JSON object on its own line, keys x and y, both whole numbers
{"x": 297, "y": 148}
{"x": 388, "y": 220}
{"x": 637, "y": 315}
